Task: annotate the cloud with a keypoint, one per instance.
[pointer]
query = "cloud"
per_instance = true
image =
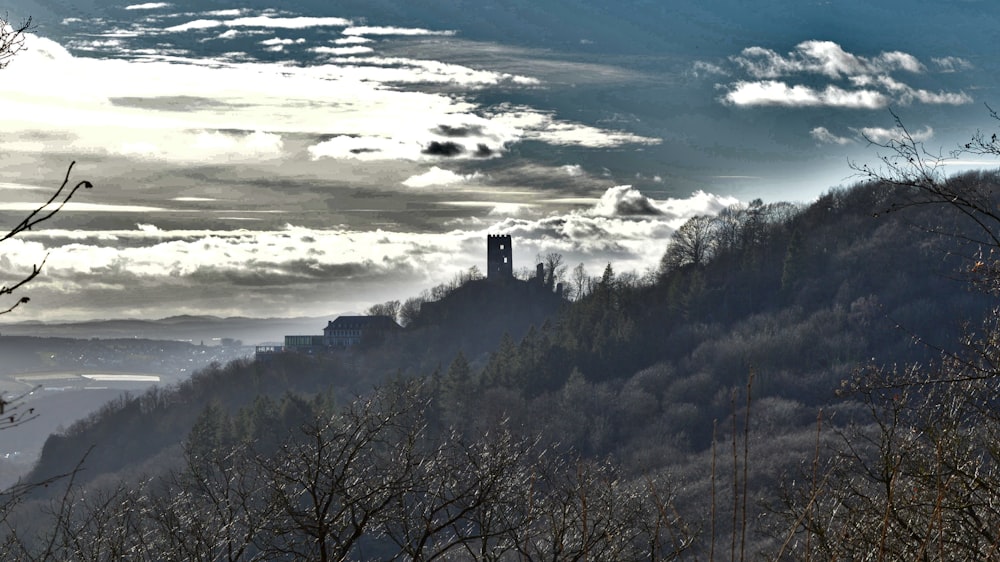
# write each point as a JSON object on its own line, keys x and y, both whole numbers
{"x": 77, "y": 207}
{"x": 853, "y": 81}
{"x": 300, "y": 22}
{"x": 148, "y": 6}
{"x": 342, "y": 51}
{"x": 439, "y": 177}
{"x": 543, "y": 126}
{"x": 407, "y": 31}
{"x": 952, "y": 64}
{"x": 907, "y": 95}
{"x": 624, "y": 200}
{"x": 881, "y": 135}
{"x": 824, "y": 136}
{"x": 821, "y": 57}
{"x": 511, "y": 210}
{"x": 775, "y": 93}
{"x": 352, "y": 40}
{"x": 279, "y": 41}
{"x": 702, "y": 68}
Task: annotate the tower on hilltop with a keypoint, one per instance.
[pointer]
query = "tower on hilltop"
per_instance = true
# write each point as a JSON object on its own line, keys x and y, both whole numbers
{"x": 499, "y": 261}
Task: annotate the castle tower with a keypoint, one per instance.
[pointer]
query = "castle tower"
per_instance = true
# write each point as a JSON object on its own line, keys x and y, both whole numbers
{"x": 499, "y": 261}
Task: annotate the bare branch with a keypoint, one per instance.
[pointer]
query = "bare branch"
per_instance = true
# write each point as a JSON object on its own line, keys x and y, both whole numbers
{"x": 11, "y": 39}
{"x": 55, "y": 203}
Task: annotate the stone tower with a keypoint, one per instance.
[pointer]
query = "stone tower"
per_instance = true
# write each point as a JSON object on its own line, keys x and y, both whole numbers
{"x": 499, "y": 261}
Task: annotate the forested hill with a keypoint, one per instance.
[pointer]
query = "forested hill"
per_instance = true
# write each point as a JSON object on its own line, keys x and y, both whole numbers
{"x": 635, "y": 369}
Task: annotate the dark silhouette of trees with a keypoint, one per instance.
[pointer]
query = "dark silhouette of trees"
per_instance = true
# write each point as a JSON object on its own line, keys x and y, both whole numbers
{"x": 690, "y": 245}
{"x": 389, "y": 308}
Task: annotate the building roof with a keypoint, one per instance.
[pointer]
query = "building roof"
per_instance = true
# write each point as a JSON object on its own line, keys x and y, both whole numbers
{"x": 362, "y": 323}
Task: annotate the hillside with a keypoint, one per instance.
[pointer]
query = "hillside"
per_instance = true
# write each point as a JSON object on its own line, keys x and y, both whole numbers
{"x": 652, "y": 374}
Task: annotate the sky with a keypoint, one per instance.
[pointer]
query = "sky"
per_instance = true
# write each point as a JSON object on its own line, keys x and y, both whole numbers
{"x": 266, "y": 161}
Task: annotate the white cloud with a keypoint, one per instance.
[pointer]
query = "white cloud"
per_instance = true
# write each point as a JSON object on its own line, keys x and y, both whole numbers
{"x": 342, "y": 51}
{"x": 871, "y": 78}
{"x": 230, "y": 12}
{"x": 952, "y": 64}
{"x": 702, "y": 68}
{"x": 772, "y": 92}
{"x": 883, "y": 135}
{"x": 352, "y": 40}
{"x": 300, "y": 22}
{"x": 439, "y": 177}
{"x": 511, "y": 210}
{"x": 543, "y": 126}
{"x": 399, "y": 70}
{"x": 409, "y": 31}
{"x": 365, "y": 148}
{"x": 148, "y": 6}
{"x": 279, "y": 41}
{"x": 193, "y": 25}
{"x": 824, "y": 136}
{"x": 821, "y": 57}
{"x": 624, "y": 200}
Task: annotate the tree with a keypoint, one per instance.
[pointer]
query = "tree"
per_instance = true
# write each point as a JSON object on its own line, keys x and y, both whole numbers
{"x": 918, "y": 176}
{"x": 920, "y": 480}
{"x": 581, "y": 282}
{"x": 388, "y": 308}
{"x": 338, "y": 481}
{"x": 553, "y": 267}
{"x": 410, "y": 310}
{"x": 690, "y": 245}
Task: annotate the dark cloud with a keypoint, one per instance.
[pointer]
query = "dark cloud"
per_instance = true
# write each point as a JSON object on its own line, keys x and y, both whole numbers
{"x": 458, "y": 132}
{"x": 447, "y": 148}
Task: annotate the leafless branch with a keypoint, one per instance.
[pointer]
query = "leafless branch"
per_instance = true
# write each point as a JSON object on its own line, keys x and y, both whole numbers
{"x": 55, "y": 203}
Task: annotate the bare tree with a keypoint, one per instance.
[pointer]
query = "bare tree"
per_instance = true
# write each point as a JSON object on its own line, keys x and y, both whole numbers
{"x": 553, "y": 267}
{"x": 919, "y": 179}
{"x": 388, "y": 308}
{"x": 11, "y": 39}
{"x": 690, "y": 245}
{"x": 337, "y": 482}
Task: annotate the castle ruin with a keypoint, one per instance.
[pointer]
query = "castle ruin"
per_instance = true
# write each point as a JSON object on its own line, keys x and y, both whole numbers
{"x": 499, "y": 258}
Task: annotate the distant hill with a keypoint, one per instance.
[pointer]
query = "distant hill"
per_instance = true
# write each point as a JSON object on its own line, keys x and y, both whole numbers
{"x": 195, "y": 329}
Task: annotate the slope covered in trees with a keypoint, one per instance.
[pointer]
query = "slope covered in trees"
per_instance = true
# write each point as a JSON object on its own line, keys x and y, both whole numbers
{"x": 754, "y": 323}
